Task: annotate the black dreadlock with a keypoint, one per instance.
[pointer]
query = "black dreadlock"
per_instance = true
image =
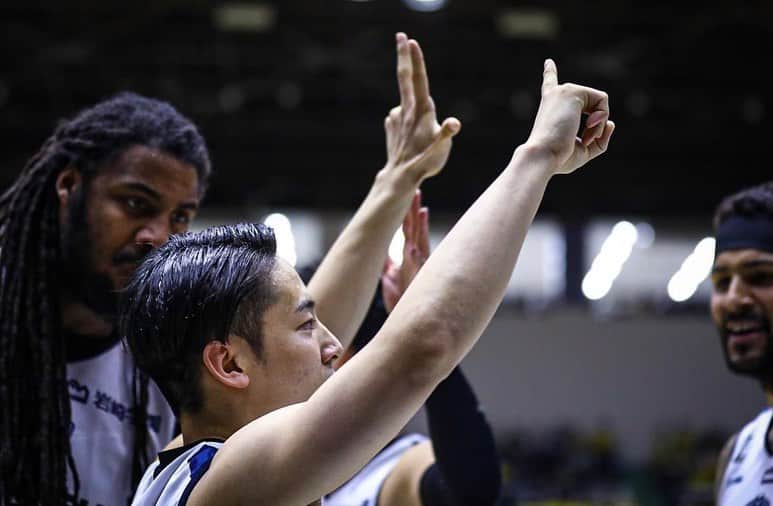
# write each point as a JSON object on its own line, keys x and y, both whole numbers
{"x": 34, "y": 401}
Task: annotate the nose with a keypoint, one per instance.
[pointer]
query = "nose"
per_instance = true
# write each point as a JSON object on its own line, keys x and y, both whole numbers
{"x": 738, "y": 294}
{"x": 330, "y": 347}
{"x": 154, "y": 232}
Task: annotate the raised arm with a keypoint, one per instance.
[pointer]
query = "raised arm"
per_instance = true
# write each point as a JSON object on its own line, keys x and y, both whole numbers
{"x": 417, "y": 148}
{"x": 294, "y": 455}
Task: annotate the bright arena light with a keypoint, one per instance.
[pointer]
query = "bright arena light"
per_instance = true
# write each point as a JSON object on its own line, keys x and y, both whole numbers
{"x": 609, "y": 262}
{"x": 695, "y": 268}
{"x": 425, "y": 5}
{"x": 285, "y": 240}
{"x": 396, "y": 247}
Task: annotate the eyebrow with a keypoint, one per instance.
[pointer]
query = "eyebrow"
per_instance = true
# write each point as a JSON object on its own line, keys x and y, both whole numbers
{"x": 150, "y": 192}
{"x": 744, "y": 265}
{"x": 305, "y": 305}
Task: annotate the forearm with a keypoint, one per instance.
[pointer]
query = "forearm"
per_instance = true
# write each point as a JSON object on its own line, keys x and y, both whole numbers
{"x": 462, "y": 283}
{"x": 466, "y": 468}
{"x": 344, "y": 283}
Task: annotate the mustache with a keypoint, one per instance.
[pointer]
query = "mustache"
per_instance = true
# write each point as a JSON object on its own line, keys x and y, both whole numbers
{"x": 134, "y": 254}
{"x": 746, "y": 314}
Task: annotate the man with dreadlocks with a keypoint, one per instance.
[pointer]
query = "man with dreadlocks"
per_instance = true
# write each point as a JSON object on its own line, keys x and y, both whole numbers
{"x": 742, "y": 309}
{"x": 110, "y": 185}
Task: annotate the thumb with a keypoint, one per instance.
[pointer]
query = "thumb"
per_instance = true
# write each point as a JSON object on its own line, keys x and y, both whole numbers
{"x": 450, "y": 127}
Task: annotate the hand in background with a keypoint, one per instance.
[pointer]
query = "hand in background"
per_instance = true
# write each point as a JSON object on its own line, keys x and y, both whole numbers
{"x": 396, "y": 278}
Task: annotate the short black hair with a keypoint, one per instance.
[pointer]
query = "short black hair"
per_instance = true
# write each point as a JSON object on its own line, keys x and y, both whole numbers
{"x": 196, "y": 288}
{"x": 755, "y": 201}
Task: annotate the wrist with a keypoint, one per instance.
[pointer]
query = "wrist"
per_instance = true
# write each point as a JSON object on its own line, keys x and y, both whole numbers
{"x": 535, "y": 158}
{"x": 396, "y": 180}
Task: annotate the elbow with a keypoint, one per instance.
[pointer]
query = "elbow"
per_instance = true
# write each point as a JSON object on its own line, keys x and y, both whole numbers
{"x": 434, "y": 350}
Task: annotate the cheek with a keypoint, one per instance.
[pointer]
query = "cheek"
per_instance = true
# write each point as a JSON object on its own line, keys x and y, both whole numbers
{"x": 766, "y": 300}
{"x": 110, "y": 228}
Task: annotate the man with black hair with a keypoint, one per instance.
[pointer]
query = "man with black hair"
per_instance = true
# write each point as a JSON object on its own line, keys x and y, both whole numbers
{"x": 110, "y": 185}
{"x": 458, "y": 464}
{"x": 263, "y": 417}
{"x": 742, "y": 309}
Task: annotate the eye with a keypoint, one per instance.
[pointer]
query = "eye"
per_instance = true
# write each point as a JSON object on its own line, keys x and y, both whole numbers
{"x": 720, "y": 283}
{"x": 136, "y": 204}
{"x": 181, "y": 219}
{"x": 308, "y": 325}
{"x": 760, "y": 278}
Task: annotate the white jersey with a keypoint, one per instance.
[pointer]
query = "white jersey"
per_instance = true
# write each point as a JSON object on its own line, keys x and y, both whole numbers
{"x": 364, "y": 487}
{"x": 748, "y": 479}
{"x": 102, "y": 424}
{"x": 169, "y": 481}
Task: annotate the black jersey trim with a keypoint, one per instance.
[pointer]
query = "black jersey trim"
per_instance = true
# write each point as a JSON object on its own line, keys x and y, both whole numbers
{"x": 166, "y": 457}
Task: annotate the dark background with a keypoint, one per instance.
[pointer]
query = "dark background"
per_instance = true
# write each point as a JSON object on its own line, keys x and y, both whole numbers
{"x": 294, "y": 115}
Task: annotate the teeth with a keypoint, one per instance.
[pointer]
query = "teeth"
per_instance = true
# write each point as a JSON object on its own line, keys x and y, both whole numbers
{"x": 740, "y": 328}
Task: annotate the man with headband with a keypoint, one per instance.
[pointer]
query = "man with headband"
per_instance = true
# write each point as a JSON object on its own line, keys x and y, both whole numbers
{"x": 742, "y": 309}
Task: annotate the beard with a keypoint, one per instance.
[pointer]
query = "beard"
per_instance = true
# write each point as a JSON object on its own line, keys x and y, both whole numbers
{"x": 761, "y": 367}
{"x": 95, "y": 290}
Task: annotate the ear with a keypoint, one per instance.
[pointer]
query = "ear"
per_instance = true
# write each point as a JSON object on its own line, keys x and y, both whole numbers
{"x": 67, "y": 182}
{"x": 221, "y": 360}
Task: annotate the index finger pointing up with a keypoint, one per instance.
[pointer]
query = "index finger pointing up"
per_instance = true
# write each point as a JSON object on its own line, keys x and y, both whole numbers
{"x": 549, "y": 75}
{"x": 404, "y": 71}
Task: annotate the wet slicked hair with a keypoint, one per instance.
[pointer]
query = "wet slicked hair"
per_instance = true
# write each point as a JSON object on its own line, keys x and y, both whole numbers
{"x": 197, "y": 288}
{"x": 756, "y": 201}
{"x": 34, "y": 401}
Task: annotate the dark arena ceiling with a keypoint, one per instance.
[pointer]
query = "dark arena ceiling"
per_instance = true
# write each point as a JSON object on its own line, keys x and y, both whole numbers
{"x": 291, "y": 94}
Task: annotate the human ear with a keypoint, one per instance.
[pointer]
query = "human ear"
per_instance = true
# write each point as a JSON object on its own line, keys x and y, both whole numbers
{"x": 67, "y": 182}
{"x": 221, "y": 360}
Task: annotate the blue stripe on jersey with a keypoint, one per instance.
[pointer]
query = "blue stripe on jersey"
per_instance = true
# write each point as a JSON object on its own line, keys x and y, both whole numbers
{"x": 199, "y": 464}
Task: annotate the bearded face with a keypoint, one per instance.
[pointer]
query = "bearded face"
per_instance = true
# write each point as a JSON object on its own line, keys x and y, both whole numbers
{"x": 742, "y": 309}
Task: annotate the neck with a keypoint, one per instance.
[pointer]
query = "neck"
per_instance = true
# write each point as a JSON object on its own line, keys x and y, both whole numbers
{"x": 200, "y": 426}
{"x": 768, "y": 393}
{"x": 77, "y": 318}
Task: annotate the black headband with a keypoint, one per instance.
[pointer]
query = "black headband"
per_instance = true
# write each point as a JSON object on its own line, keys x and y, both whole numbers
{"x": 742, "y": 232}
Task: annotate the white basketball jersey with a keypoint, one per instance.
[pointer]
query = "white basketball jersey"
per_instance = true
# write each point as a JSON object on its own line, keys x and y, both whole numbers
{"x": 169, "y": 481}
{"x": 364, "y": 487}
{"x": 102, "y": 426}
{"x": 748, "y": 479}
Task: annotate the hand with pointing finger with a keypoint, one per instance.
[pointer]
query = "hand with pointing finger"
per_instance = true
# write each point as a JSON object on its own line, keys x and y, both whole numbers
{"x": 417, "y": 146}
{"x": 558, "y": 119}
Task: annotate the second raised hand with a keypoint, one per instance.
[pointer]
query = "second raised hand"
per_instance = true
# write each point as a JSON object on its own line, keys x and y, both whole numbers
{"x": 416, "y": 142}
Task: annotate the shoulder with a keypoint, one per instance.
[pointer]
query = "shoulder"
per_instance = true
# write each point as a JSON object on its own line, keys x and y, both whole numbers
{"x": 172, "y": 478}
{"x": 401, "y": 487}
{"x": 723, "y": 461}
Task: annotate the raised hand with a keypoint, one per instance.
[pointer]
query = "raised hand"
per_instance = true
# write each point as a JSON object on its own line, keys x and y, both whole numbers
{"x": 558, "y": 120}
{"x": 396, "y": 278}
{"x": 416, "y": 144}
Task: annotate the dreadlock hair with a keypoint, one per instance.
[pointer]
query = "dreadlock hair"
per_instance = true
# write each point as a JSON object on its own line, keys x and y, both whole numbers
{"x": 756, "y": 201}
{"x": 197, "y": 288}
{"x": 34, "y": 401}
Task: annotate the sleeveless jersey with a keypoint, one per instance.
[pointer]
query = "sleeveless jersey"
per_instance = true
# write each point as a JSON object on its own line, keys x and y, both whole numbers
{"x": 748, "y": 479}
{"x": 363, "y": 488}
{"x": 169, "y": 481}
{"x": 102, "y": 426}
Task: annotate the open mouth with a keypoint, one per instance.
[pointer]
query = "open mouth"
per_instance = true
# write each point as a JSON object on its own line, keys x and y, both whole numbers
{"x": 745, "y": 336}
